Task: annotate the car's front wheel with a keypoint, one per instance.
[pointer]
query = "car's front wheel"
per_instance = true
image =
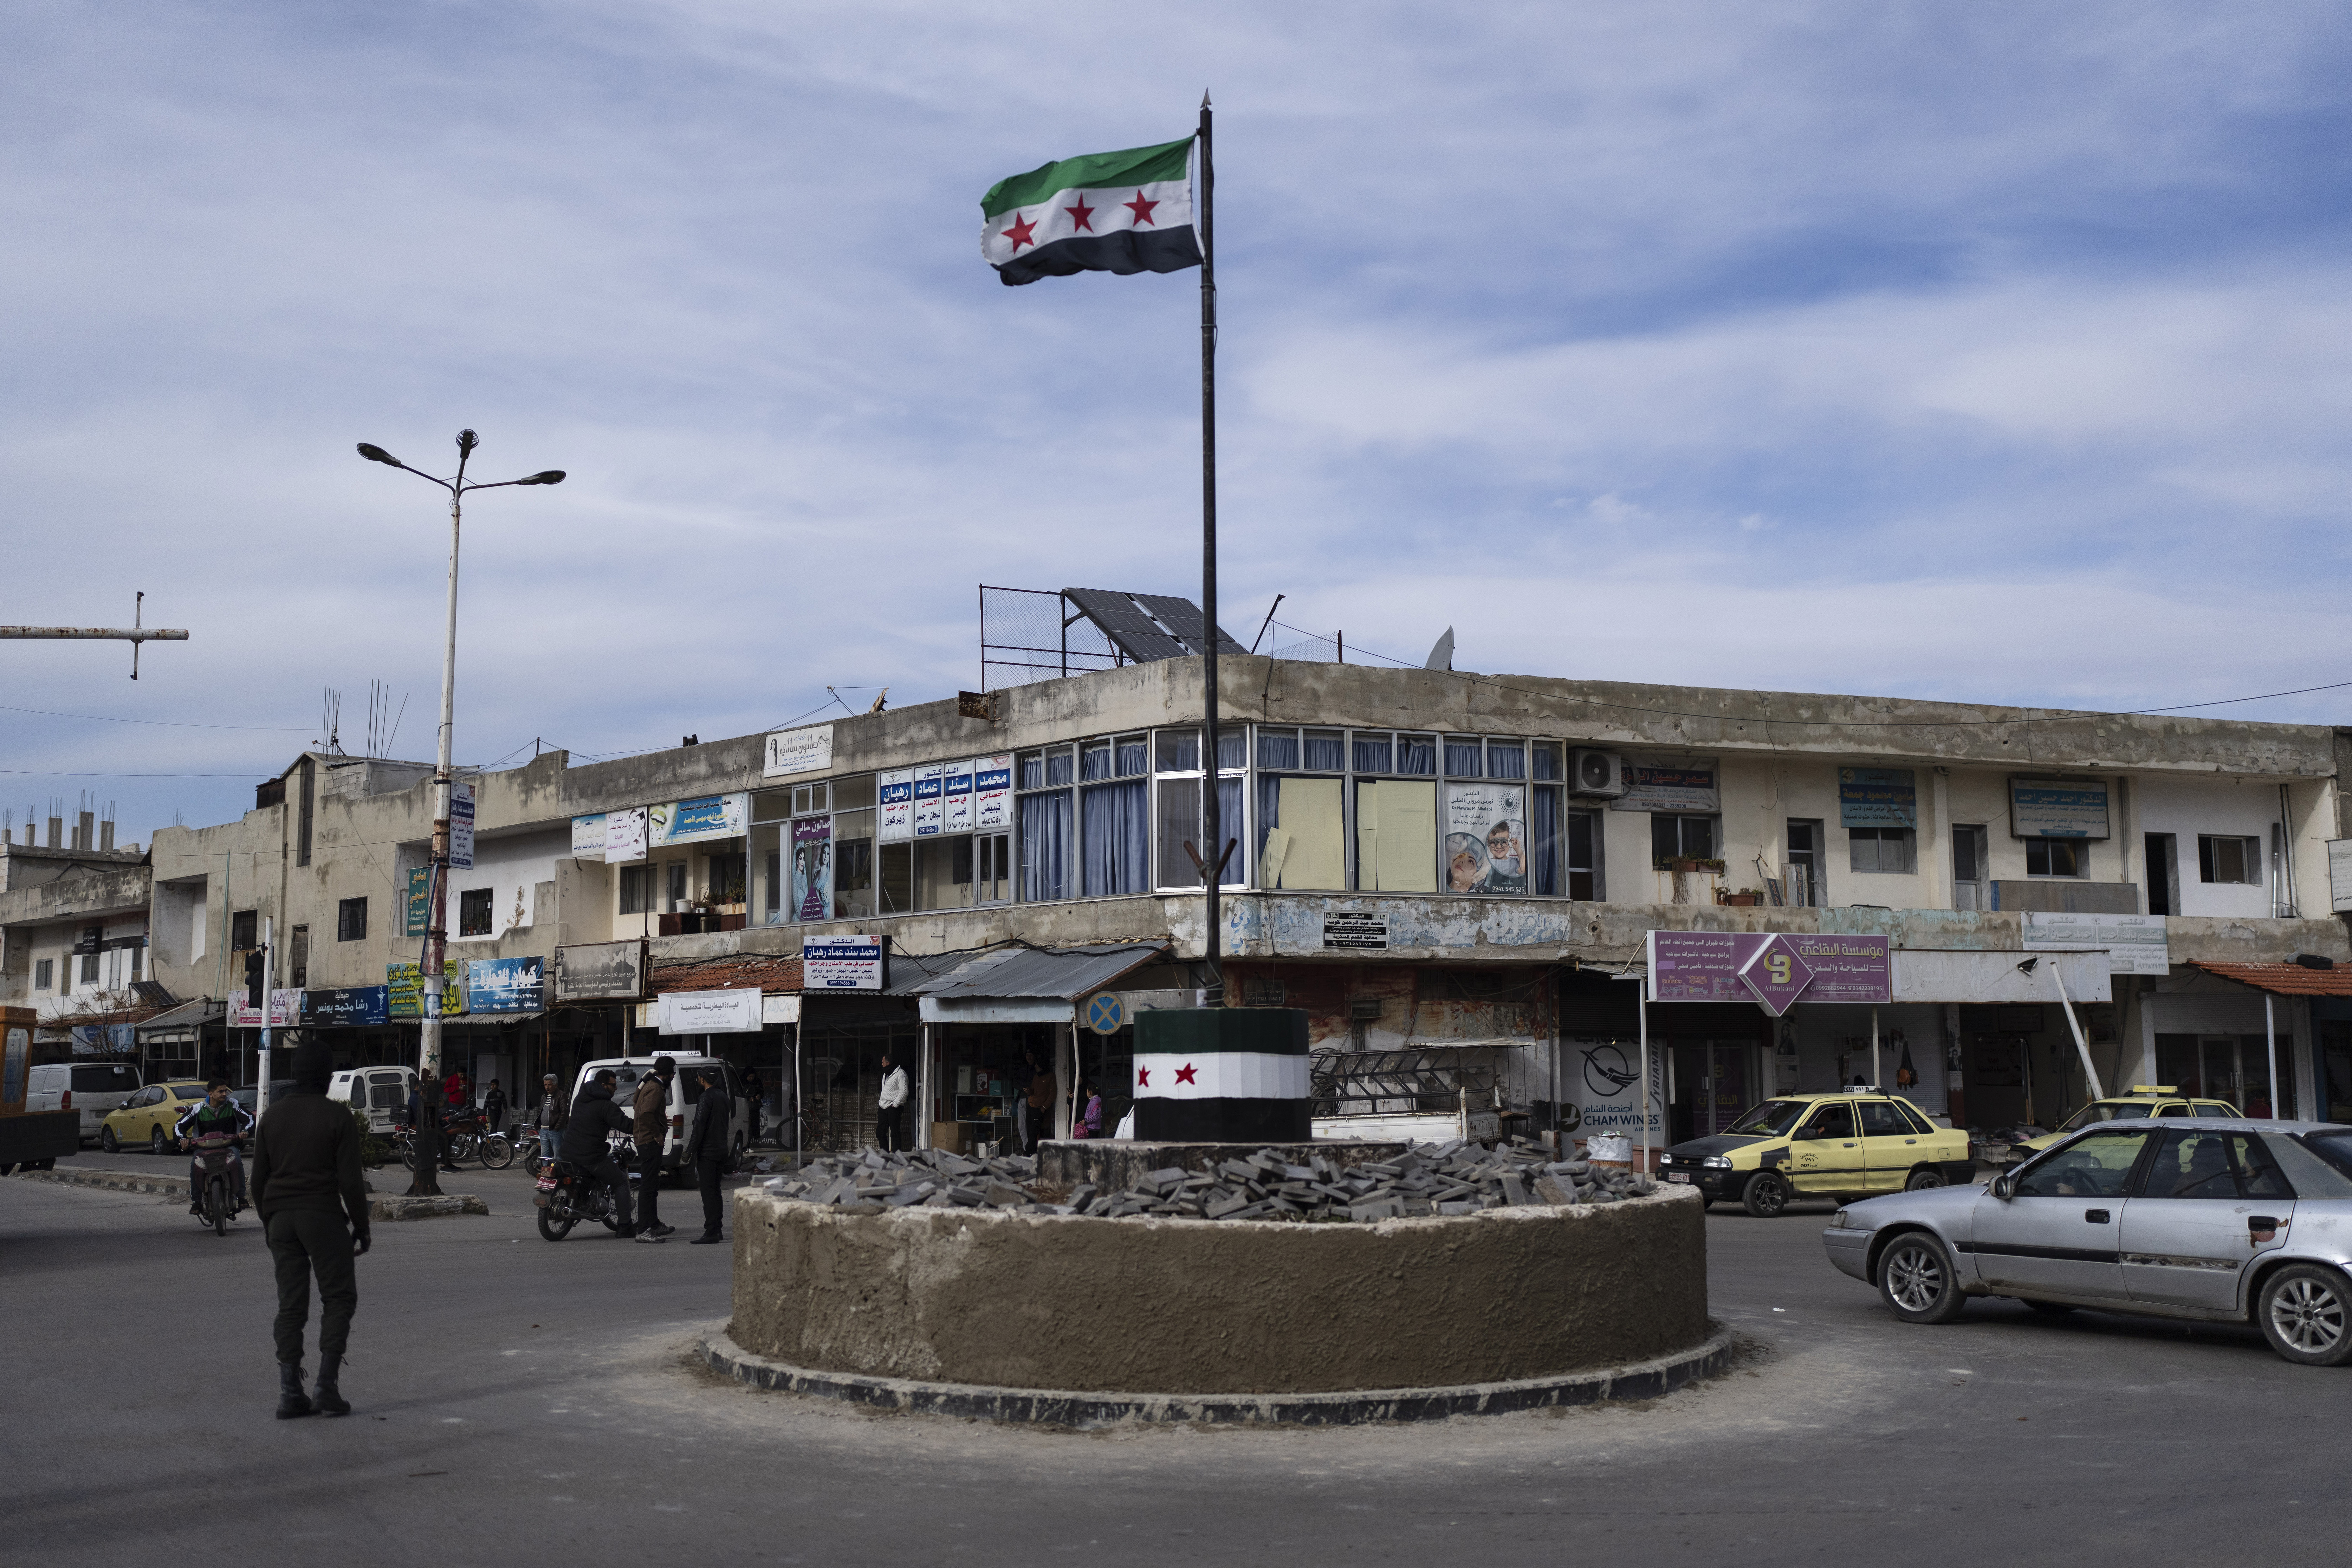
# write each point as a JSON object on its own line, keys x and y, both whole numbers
{"x": 1922, "y": 1180}
{"x": 1917, "y": 1281}
{"x": 2306, "y": 1311}
{"x": 1766, "y": 1196}
{"x": 108, "y": 1142}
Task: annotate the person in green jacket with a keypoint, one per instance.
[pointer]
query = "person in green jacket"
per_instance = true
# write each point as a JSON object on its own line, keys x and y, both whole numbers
{"x": 306, "y": 1186}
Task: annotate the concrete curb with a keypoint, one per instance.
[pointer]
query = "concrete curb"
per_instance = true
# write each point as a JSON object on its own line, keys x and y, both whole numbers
{"x": 397, "y": 1208}
{"x": 1058, "y": 1407}
{"x": 383, "y": 1208}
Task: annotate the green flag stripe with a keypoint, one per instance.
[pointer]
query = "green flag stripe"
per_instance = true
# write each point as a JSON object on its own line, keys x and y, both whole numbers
{"x": 1136, "y": 166}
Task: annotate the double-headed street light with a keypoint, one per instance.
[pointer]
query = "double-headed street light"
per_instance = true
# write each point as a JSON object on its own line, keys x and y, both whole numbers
{"x": 436, "y": 936}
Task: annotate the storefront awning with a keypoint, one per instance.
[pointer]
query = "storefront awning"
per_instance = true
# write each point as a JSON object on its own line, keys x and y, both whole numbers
{"x": 2282, "y": 979}
{"x": 179, "y": 1024}
{"x": 1029, "y": 985}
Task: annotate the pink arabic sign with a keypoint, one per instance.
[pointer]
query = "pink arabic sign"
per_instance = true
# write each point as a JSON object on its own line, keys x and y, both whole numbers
{"x": 1775, "y": 970}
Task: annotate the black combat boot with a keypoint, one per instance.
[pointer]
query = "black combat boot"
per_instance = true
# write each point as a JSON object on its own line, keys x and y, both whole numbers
{"x": 327, "y": 1397}
{"x": 291, "y": 1400}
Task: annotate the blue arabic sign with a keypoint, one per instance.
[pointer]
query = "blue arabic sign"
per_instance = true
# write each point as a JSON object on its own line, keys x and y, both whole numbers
{"x": 505, "y": 985}
{"x": 350, "y": 1006}
{"x": 1877, "y": 797}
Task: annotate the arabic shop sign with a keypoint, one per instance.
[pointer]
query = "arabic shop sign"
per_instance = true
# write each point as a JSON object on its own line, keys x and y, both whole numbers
{"x": 1774, "y": 970}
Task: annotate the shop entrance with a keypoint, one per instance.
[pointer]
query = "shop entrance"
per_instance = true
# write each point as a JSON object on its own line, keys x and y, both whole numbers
{"x": 2234, "y": 1067}
{"x": 1711, "y": 1083}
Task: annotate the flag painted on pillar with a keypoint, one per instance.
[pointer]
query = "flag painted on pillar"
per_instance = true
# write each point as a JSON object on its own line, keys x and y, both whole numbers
{"x": 1104, "y": 212}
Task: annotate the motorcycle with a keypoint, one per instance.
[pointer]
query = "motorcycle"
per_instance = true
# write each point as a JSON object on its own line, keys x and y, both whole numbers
{"x": 567, "y": 1194}
{"x": 216, "y": 1160}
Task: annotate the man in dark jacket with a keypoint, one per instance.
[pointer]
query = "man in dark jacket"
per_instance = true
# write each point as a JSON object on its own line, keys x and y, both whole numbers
{"x": 707, "y": 1147}
{"x": 494, "y": 1108}
{"x": 306, "y": 1185}
{"x": 649, "y": 1126}
{"x": 594, "y": 1118}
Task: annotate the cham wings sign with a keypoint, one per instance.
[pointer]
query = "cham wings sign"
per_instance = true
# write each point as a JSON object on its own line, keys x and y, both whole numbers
{"x": 1774, "y": 971}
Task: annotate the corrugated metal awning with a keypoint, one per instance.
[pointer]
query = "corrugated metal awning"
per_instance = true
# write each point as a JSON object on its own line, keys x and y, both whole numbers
{"x": 1062, "y": 973}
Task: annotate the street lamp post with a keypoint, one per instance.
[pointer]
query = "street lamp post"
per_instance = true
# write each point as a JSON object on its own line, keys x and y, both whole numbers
{"x": 437, "y": 934}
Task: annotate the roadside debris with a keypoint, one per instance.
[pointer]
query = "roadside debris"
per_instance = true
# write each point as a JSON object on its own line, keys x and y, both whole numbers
{"x": 1427, "y": 1179}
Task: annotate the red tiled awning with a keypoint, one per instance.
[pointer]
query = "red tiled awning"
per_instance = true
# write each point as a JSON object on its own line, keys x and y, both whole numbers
{"x": 738, "y": 972}
{"x": 2282, "y": 979}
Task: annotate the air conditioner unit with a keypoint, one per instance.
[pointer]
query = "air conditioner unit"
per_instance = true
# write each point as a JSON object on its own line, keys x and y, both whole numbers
{"x": 1596, "y": 772}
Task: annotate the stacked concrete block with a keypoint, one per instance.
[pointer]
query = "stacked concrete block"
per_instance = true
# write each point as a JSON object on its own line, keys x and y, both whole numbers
{"x": 1426, "y": 1180}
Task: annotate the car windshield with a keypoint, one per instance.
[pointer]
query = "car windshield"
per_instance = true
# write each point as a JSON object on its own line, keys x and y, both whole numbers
{"x": 2109, "y": 1111}
{"x": 1771, "y": 1120}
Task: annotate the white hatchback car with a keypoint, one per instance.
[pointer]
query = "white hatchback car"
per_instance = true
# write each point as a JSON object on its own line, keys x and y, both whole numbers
{"x": 91, "y": 1088}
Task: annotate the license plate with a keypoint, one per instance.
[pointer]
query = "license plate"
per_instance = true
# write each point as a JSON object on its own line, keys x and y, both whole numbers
{"x": 546, "y": 1185}
{"x": 1678, "y": 1175}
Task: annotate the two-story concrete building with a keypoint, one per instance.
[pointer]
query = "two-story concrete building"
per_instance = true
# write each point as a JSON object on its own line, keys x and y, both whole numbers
{"x": 73, "y": 931}
{"x": 1428, "y": 861}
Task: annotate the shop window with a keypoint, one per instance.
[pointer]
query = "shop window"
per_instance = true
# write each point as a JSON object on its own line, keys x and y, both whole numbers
{"x": 1302, "y": 837}
{"x": 43, "y": 973}
{"x": 2228, "y": 860}
{"x": 1804, "y": 883}
{"x": 636, "y": 890}
{"x": 992, "y": 868}
{"x": 1396, "y": 837}
{"x": 727, "y": 872}
{"x": 943, "y": 873}
{"x": 853, "y": 862}
{"x": 894, "y": 878}
{"x": 1678, "y": 837}
{"x": 1544, "y": 840}
{"x": 1882, "y": 850}
{"x": 2057, "y": 858}
{"x": 1584, "y": 879}
{"x": 351, "y": 921}
{"x": 474, "y": 911}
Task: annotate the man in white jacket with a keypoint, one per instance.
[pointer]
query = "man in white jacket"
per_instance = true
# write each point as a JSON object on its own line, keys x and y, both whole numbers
{"x": 890, "y": 1120}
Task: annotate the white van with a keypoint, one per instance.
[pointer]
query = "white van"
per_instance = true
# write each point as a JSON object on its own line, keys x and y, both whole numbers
{"x": 91, "y": 1088}
{"x": 381, "y": 1092}
{"x": 684, "y": 1090}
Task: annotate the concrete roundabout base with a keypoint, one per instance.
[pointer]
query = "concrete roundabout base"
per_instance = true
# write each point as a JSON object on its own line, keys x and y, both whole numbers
{"x": 1084, "y": 1410}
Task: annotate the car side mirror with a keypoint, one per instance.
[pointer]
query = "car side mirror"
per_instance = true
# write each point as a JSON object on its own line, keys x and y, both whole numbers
{"x": 2004, "y": 1187}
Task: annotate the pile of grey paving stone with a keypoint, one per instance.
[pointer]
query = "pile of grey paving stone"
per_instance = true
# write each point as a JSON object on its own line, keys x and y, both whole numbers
{"x": 1428, "y": 1179}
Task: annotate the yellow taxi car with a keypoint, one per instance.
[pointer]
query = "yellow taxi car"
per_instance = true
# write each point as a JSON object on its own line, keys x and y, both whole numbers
{"x": 1851, "y": 1143}
{"x": 2145, "y": 1100}
{"x": 148, "y": 1117}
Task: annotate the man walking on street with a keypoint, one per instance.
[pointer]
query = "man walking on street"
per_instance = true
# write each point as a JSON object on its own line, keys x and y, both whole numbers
{"x": 594, "y": 1118}
{"x": 889, "y": 1124}
{"x": 306, "y": 1184}
{"x": 494, "y": 1108}
{"x": 552, "y": 1116}
{"x": 651, "y": 1126}
{"x": 755, "y": 1091}
{"x": 706, "y": 1146}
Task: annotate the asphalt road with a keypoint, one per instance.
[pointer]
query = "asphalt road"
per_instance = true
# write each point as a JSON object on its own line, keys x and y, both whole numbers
{"x": 519, "y": 1400}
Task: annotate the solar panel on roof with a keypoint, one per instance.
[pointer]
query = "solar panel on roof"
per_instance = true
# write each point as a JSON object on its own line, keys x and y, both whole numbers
{"x": 1184, "y": 620}
{"x": 1131, "y": 631}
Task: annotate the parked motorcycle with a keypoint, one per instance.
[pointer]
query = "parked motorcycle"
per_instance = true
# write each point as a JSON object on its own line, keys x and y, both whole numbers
{"x": 216, "y": 1158}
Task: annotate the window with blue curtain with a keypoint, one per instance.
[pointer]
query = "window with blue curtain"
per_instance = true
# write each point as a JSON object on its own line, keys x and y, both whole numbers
{"x": 1417, "y": 755}
{"x": 1544, "y": 847}
{"x": 1325, "y": 752}
{"x": 1374, "y": 753}
{"x": 1046, "y": 848}
{"x": 1506, "y": 760}
{"x": 1117, "y": 821}
{"x": 1232, "y": 821}
{"x": 1232, "y": 747}
{"x": 1463, "y": 759}
{"x": 1277, "y": 749}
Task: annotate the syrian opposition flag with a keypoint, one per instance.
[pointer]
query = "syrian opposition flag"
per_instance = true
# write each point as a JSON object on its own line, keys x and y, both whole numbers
{"x": 1222, "y": 1075}
{"x": 1105, "y": 212}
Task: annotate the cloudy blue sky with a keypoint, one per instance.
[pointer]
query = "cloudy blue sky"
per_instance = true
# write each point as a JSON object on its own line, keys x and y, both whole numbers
{"x": 1954, "y": 350}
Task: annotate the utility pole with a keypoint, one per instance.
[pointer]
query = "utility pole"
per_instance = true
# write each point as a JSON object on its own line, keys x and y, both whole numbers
{"x": 428, "y": 1181}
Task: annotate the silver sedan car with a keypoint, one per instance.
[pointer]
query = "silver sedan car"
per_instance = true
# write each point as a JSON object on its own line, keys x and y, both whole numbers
{"x": 2220, "y": 1222}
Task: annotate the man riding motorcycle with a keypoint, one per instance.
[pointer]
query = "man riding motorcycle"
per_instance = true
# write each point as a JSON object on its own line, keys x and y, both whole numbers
{"x": 215, "y": 1115}
{"x": 595, "y": 1118}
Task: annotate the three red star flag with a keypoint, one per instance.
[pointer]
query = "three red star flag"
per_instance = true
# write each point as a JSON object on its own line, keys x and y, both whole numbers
{"x": 1105, "y": 212}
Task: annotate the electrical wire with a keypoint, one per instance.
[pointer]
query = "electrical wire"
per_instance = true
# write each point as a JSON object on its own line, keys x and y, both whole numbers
{"x": 165, "y": 723}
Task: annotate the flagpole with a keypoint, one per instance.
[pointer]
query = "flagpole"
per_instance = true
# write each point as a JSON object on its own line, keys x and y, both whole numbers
{"x": 1212, "y": 829}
